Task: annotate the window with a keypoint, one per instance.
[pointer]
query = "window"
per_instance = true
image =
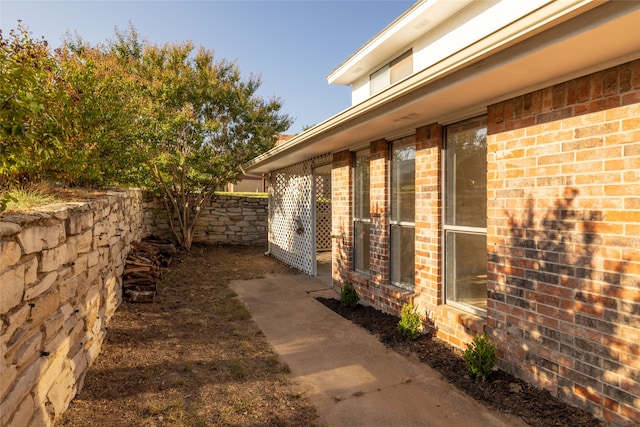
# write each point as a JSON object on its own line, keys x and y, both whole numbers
{"x": 361, "y": 212}
{"x": 402, "y": 220}
{"x": 391, "y": 73}
{"x": 465, "y": 216}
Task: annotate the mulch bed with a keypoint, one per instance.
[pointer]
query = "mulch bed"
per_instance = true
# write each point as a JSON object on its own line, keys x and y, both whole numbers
{"x": 500, "y": 391}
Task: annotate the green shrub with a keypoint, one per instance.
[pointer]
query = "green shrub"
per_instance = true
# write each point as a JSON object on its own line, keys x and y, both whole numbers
{"x": 410, "y": 322}
{"x": 348, "y": 295}
{"x": 480, "y": 357}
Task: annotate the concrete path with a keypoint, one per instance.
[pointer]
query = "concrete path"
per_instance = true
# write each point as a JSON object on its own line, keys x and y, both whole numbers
{"x": 351, "y": 378}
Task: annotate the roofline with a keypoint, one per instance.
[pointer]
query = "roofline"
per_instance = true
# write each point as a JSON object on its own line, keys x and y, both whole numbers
{"x": 509, "y": 36}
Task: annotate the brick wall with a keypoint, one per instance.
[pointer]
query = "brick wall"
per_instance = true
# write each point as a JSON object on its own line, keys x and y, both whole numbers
{"x": 60, "y": 283}
{"x": 563, "y": 239}
{"x": 341, "y": 214}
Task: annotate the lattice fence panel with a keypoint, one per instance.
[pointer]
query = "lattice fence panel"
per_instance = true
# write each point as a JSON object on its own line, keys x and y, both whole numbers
{"x": 322, "y": 176}
{"x": 291, "y": 220}
{"x": 290, "y": 217}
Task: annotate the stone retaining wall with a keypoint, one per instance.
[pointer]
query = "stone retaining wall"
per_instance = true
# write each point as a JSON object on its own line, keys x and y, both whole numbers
{"x": 61, "y": 281}
{"x": 227, "y": 219}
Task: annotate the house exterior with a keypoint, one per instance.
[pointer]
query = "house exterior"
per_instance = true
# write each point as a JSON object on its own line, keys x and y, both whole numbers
{"x": 488, "y": 171}
{"x": 251, "y": 183}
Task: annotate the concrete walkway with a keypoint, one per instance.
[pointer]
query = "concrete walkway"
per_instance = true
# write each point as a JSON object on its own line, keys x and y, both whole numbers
{"x": 351, "y": 378}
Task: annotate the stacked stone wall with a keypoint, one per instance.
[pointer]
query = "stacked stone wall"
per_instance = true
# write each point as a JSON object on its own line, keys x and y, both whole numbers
{"x": 227, "y": 219}
{"x": 60, "y": 283}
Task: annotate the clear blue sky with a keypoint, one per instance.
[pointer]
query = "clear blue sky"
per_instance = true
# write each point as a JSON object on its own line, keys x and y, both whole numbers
{"x": 292, "y": 45}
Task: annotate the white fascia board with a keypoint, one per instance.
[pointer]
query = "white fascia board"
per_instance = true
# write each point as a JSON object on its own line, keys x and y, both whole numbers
{"x": 450, "y": 80}
{"x": 438, "y": 29}
{"x": 418, "y": 19}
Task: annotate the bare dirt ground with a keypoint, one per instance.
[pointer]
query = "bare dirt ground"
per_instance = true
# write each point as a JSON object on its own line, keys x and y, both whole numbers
{"x": 194, "y": 357}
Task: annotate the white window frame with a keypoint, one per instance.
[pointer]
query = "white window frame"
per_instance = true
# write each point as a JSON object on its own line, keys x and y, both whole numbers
{"x": 408, "y": 141}
{"x": 366, "y": 153}
{"x": 452, "y": 228}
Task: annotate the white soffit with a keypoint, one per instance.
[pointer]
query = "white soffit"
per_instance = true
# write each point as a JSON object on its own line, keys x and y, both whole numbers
{"x": 415, "y": 22}
{"x": 467, "y": 84}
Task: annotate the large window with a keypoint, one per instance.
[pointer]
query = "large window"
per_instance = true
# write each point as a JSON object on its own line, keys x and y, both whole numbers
{"x": 361, "y": 212}
{"x": 391, "y": 73}
{"x": 402, "y": 219}
{"x": 465, "y": 225}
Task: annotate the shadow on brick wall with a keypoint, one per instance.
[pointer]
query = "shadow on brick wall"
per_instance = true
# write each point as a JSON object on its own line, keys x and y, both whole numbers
{"x": 580, "y": 308}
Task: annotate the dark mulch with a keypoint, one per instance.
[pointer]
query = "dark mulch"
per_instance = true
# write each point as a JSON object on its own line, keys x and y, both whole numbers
{"x": 500, "y": 391}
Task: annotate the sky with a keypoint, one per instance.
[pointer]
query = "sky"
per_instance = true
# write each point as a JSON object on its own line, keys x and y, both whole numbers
{"x": 292, "y": 45}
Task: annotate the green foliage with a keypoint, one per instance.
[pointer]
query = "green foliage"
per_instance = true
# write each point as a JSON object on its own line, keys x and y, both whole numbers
{"x": 348, "y": 295}
{"x": 29, "y": 134}
{"x": 480, "y": 357}
{"x": 410, "y": 322}
{"x": 128, "y": 112}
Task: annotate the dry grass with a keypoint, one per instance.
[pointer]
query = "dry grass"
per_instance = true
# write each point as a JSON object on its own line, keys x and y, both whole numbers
{"x": 192, "y": 358}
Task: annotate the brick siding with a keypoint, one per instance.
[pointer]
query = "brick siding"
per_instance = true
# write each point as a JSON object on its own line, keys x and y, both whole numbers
{"x": 563, "y": 239}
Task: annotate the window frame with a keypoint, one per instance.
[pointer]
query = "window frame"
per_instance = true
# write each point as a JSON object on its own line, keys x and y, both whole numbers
{"x": 364, "y": 221}
{"x": 399, "y": 223}
{"x": 391, "y": 73}
{"x": 448, "y": 228}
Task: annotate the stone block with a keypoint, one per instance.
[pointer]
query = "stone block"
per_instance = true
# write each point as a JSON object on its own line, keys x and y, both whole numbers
{"x": 22, "y": 416}
{"x": 79, "y": 364}
{"x": 52, "y": 259}
{"x": 28, "y": 351}
{"x": 17, "y": 325}
{"x": 61, "y": 394}
{"x": 93, "y": 258}
{"x": 10, "y": 253}
{"x": 41, "y": 417}
{"x": 35, "y": 239}
{"x": 71, "y": 252}
{"x": 78, "y": 222}
{"x": 11, "y": 288}
{"x": 52, "y": 325}
{"x": 80, "y": 266}
{"x": 8, "y": 229}
{"x": 83, "y": 241}
{"x": 44, "y": 306}
{"x": 30, "y": 271}
{"x": 92, "y": 274}
{"x": 67, "y": 289}
{"x": 41, "y": 286}
{"x": 22, "y": 387}
{"x": 8, "y": 374}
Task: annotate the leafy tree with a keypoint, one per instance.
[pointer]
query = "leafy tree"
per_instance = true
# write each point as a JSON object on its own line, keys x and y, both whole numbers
{"x": 29, "y": 131}
{"x": 100, "y": 118}
{"x": 170, "y": 117}
{"x": 202, "y": 121}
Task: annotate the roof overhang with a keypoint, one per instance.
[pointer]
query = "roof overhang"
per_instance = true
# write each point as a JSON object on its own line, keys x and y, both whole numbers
{"x": 531, "y": 55}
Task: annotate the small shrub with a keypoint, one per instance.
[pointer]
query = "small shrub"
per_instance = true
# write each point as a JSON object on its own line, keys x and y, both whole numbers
{"x": 480, "y": 357}
{"x": 410, "y": 322}
{"x": 348, "y": 295}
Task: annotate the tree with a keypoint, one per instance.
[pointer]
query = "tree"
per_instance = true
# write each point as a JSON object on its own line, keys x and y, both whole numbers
{"x": 29, "y": 132}
{"x": 100, "y": 118}
{"x": 201, "y": 123}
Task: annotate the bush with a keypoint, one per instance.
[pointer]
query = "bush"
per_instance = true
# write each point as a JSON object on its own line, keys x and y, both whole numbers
{"x": 348, "y": 295}
{"x": 480, "y": 357}
{"x": 409, "y": 324}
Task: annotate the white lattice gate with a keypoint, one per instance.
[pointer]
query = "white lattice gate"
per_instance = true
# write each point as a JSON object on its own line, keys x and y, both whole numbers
{"x": 292, "y": 216}
{"x": 322, "y": 180}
